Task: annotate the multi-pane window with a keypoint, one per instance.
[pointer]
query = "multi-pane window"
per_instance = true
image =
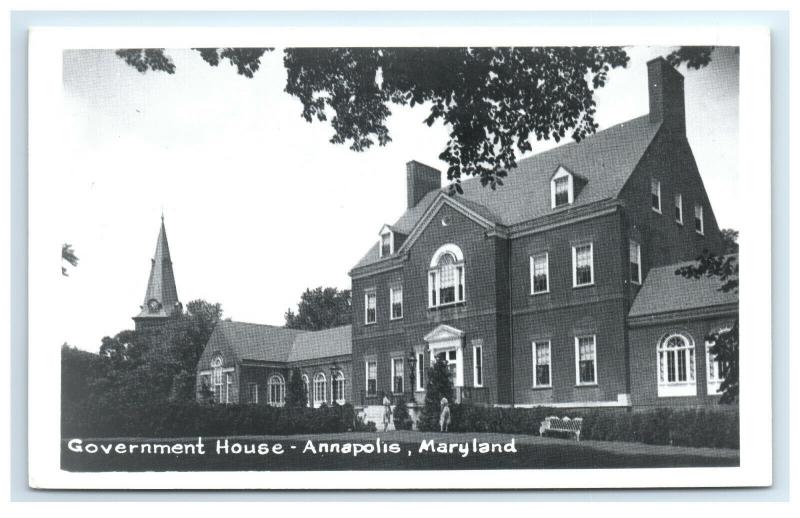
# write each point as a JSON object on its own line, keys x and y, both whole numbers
{"x": 228, "y": 384}
{"x": 319, "y": 389}
{"x": 540, "y": 274}
{"x": 446, "y": 282}
{"x": 397, "y": 375}
{"x": 372, "y": 378}
{"x": 396, "y": 302}
{"x": 561, "y": 187}
{"x": 714, "y": 369}
{"x": 676, "y": 367}
{"x": 586, "y": 356}
{"x": 307, "y": 386}
{"x": 276, "y": 390}
{"x": 698, "y": 219}
{"x": 253, "y": 388}
{"x": 655, "y": 194}
{"x": 635, "y": 254}
{"x": 337, "y": 388}
{"x": 582, "y": 265}
{"x": 477, "y": 367}
{"x": 541, "y": 364}
{"x": 216, "y": 379}
{"x": 679, "y": 208}
{"x": 386, "y": 244}
{"x": 420, "y": 371}
{"x": 370, "y": 307}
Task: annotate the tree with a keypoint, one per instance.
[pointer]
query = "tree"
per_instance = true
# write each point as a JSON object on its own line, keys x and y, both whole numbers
{"x": 730, "y": 241}
{"x": 494, "y": 100}
{"x": 68, "y": 255}
{"x": 401, "y": 417}
{"x": 726, "y": 342}
{"x": 296, "y": 394}
{"x": 320, "y": 308}
{"x": 439, "y": 385}
{"x": 194, "y": 331}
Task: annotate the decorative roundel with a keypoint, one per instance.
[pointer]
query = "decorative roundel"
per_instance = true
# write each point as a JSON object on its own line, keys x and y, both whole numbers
{"x": 153, "y": 305}
{"x": 445, "y": 220}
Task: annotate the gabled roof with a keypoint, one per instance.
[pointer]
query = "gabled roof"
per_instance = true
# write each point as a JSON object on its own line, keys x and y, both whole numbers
{"x": 265, "y": 343}
{"x": 664, "y": 292}
{"x": 604, "y": 161}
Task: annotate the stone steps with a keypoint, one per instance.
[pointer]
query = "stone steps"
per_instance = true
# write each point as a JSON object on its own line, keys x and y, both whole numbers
{"x": 374, "y": 413}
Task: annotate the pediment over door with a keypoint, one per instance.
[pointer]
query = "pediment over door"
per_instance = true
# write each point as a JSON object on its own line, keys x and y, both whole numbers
{"x": 444, "y": 333}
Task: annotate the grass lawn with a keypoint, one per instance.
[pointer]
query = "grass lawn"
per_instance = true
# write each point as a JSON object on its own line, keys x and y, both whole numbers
{"x": 532, "y": 452}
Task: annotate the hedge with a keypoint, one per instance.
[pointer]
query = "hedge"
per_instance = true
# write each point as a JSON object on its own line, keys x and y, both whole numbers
{"x": 181, "y": 419}
{"x": 716, "y": 427}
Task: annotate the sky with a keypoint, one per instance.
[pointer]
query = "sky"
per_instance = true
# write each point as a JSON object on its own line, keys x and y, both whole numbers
{"x": 258, "y": 204}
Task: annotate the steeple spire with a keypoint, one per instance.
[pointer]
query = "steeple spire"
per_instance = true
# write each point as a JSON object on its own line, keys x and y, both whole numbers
{"x": 161, "y": 298}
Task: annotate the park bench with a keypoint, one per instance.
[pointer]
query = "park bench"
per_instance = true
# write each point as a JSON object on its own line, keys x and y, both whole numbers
{"x": 565, "y": 424}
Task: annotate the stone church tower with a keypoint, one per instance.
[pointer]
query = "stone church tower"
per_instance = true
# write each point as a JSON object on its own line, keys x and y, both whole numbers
{"x": 161, "y": 311}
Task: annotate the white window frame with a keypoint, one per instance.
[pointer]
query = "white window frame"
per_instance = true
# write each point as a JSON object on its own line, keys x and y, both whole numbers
{"x": 434, "y": 277}
{"x": 320, "y": 379}
{"x": 578, "y": 381}
{"x": 562, "y": 173}
{"x": 477, "y": 353}
{"x": 712, "y": 386}
{"x": 307, "y": 383}
{"x": 402, "y": 376}
{"x": 385, "y": 232}
{"x": 657, "y": 184}
{"x": 677, "y": 388}
{"x": 420, "y": 371}
{"x": 698, "y": 206}
{"x": 228, "y": 384}
{"x": 367, "y": 293}
{"x": 575, "y": 284}
{"x": 534, "y": 345}
{"x": 367, "y": 378}
{"x": 336, "y": 379}
{"x": 679, "y": 206}
{"x": 253, "y": 387}
{"x": 276, "y": 380}
{"x": 631, "y": 244}
{"x": 392, "y": 295}
{"x": 533, "y": 259}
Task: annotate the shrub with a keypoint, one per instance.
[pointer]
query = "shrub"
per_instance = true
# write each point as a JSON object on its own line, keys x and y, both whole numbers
{"x": 439, "y": 386}
{"x": 401, "y": 417}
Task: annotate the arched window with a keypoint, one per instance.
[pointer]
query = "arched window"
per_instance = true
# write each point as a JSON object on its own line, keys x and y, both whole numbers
{"x": 676, "y": 366}
{"x": 276, "y": 390}
{"x": 319, "y": 389}
{"x": 446, "y": 277}
{"x": 308, "y": 390}
{"x": 337, "y": 388}
{"x": 217, "y": 385}
{"x": 714, "y": 367}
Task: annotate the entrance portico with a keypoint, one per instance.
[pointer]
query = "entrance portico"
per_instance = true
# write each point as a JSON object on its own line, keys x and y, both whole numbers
{"x": 448, "y": 341}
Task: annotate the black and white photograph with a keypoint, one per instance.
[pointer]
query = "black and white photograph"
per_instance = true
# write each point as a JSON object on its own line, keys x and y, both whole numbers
{"x": 356, "y": 261}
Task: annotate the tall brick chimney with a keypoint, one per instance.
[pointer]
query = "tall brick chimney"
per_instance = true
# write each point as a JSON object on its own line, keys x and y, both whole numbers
{"x": 665, "y": 86}
{"x": 420, "y": 180}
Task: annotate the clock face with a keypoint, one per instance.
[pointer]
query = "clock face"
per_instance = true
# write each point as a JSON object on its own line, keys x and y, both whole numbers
{"x": 153, "y": 305}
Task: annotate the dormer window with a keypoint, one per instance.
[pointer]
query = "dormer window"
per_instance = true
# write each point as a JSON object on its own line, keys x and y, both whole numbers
{"x": 562, "y": 188}
{"x": 386, "y": 244}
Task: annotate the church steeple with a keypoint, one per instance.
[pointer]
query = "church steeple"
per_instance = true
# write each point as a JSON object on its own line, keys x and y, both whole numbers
{"x": 161, "y": 298}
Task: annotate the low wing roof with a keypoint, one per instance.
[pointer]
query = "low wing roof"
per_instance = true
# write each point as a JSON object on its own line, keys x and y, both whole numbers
{"x": 322, "y": 344}
{"x": 663, "y": 291}
{"x": 604, "y": 160}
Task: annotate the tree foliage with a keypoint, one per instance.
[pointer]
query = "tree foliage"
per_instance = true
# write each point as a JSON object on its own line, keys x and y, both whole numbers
{"x": 68, "y": 256}
{"x": 439, "y": 385}
{"x": 726, "y": 341}
{"x": 320, "y": 308}
{"x": 730, "y": 241}
{"x": 296, "y": 393}
{"x": 493, "y": 100}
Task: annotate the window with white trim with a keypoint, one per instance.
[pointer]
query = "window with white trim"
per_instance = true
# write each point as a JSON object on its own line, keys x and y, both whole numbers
{"x": 583, "y": 265}
{"x": 337, "y": 388}
{"x": 372, "y": 377}
{"x": 635, "y": 258}
{"x": 370, "y": 307}
{"x": 253, "y": 388}
{"x": 586, "y": 360}
{"x": 396, "y": 302}
{"x": 699, "y": 226}
{"x": 655, "y": 195}
{"x": 228, "y": 385}
{"x": 540, "y": 273}
{"x": 307, "y": 385}
{"x": 679, "y": 208}
{"x": 319, "y": 389}
{"x": 676, "y": 366}
{"x": 477, "y": 365}
{"x": 276, "y": 390}
{"x": 398, "y": 376}
{"x": 420, "y": 371}
{"x": 387, "y": 244}
{"x": 446, "y": 278}
{"x": 541, "y": 364}
{"x": 216, "y": 379}
{"x": 714, "y": 369}
{"x": 561, "y": 191}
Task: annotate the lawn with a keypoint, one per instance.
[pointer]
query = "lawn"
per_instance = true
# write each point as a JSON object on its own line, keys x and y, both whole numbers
{"x": 390, "y": 451}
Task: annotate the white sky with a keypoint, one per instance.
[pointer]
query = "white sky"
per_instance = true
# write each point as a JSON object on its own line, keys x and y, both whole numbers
{"x": 258, "y": 204}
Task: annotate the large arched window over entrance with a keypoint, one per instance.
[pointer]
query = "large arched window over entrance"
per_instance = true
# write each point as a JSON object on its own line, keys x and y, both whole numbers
{"x": 446, "y": 277}
{"x": 276, "y": 390}
{"x": 319, "y": 389}
{"x": 676, "y": 366}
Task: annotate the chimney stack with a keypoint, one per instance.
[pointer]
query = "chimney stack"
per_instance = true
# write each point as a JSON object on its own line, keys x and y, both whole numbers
{"x": 420, "y": 180}
{"x": 665, "y": 86}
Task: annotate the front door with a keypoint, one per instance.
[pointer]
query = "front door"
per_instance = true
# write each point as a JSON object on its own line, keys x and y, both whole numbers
{"x": 451, "y": 358}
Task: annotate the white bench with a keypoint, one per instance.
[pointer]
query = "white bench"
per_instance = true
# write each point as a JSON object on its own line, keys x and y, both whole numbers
{"x": 564, "y": 424}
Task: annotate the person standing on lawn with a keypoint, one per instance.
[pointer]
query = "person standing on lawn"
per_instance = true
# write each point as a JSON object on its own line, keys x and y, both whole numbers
{"x": 444, "y": 418}
{"x": 387, "y": 412}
